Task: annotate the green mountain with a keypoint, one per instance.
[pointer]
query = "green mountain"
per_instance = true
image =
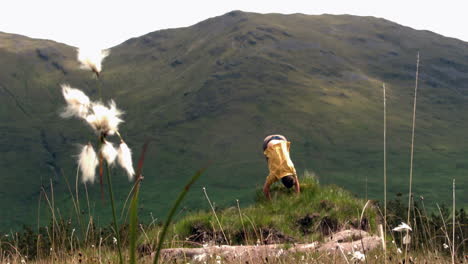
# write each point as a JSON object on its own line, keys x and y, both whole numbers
{"x": 211, "y": 93}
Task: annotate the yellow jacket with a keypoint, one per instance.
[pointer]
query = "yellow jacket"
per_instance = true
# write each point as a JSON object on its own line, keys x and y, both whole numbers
{"x": 279, "y": 161}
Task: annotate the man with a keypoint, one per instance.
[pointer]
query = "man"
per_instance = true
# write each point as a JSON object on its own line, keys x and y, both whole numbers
{"x": 276, "y": 151}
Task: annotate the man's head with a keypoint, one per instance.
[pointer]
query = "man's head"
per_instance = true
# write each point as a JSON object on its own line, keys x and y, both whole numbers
{"x": 288, "y": 181}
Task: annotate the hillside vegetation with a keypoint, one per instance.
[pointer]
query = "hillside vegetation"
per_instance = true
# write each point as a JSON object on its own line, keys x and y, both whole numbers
{"x": 317, "y": 219}
{"x": 317, "y": 212}
{"x": 214, "y": 90}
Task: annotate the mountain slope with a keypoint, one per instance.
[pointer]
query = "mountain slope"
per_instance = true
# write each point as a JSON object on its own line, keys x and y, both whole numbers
{"x": 213, "y": 91}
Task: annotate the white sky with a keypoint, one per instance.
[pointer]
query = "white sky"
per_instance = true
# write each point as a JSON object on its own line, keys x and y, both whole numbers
{"x": 104, "y": 23}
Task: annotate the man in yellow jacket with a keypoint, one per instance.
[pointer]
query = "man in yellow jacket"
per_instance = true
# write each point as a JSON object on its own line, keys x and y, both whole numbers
{"x": 276, "y": 151}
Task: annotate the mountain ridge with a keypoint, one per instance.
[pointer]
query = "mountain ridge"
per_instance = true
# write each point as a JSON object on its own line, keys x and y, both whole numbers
{"x": 213, "y": 90}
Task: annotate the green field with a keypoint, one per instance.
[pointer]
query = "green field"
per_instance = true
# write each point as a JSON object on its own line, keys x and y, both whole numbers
{"x": 213, "y": 91}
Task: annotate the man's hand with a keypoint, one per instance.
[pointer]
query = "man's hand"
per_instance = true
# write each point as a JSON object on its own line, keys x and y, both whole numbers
{"x": 297, "y": 184}
{"x": 266, "y": 191}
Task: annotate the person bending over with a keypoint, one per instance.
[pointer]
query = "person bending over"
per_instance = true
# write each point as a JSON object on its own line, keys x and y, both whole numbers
{"x": 276, "y": 151}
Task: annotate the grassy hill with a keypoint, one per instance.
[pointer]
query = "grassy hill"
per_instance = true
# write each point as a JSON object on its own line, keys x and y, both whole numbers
{"x": 316, "y": 212}
{"x": 213, "y": 91}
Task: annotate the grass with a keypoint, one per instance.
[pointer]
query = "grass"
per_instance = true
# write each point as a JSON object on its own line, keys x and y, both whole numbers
{"x": 288, "y": 218}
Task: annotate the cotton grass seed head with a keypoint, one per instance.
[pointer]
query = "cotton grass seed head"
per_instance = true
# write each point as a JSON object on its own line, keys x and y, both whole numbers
{"x": 104, "y": 120}
{"x": 406, "y": 239}
{"x": 77, "y": 102}
{"x": 108, "y": 152}
{"x": 125, "y": 159}
{"x": 87, "y": 162}
{"x": 402, "y": 227}
{"x": 357, "y": 255}
{"x": 91, "y": 58}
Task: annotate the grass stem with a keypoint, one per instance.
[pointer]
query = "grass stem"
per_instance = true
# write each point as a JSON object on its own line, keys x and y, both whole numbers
{"x": 216, "y": 216}
{"x": 412, "y": 153}
{"x": 117, "y": 231}
{"x": 453, "y": 223}
{"x": 134, "y": 205}
{"x": 242, "y": 222}
{"x": 133, "y": 224}
{"x": 181, "y": 197}
{"x": 385, "y": 173}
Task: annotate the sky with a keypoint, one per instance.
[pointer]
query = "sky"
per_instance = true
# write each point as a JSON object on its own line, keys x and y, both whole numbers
{"x": 104, "y": 23}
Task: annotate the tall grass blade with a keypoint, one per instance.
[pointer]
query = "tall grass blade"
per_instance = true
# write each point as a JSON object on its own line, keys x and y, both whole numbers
{"x": 360, "y": 228}
{"x": 130, "y": 194}
{"x": 138, "y": 177}
{"x": 38, "y": 212}
{"x": 75, "y": 202}
{"x": 444, "y": 227}
{"x": 385, "y": 173}
{"x": 101, "y": 173}
{"x": 412, "y": 153}
{"x": 134, "y": 206}
{"x": 77, "y": 176}
{"x": 133, "y": 225}
{"x": 173, "y": 210}
{"x": 117, "y": 231}
{"x": 54, "y": 217}
{"x": 363, "y": 210}
{"x": 344, "y": 255}
{"x": 242, "y": 222}
{"x": 453, "y": 223}
{"x": 215, "y": 215}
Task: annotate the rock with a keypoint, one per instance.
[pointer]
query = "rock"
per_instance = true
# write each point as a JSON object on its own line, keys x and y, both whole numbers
{"x": 348, "y": 240}
{"x": 351, "y": 240}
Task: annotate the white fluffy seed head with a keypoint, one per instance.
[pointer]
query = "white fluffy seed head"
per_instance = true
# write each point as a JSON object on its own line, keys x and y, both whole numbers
{"x": 77, "y": 102}
{"x": 109, "y": 153}
{"x": 406, "y": 239}
{"x": 87, "y": 162}
{"x": 402, "y": 227}
{"x": 357, "y": 255}
{"x": 104, "y": 119}
{"x": 91, "y": 58}
{"x": 125, "y": 160}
